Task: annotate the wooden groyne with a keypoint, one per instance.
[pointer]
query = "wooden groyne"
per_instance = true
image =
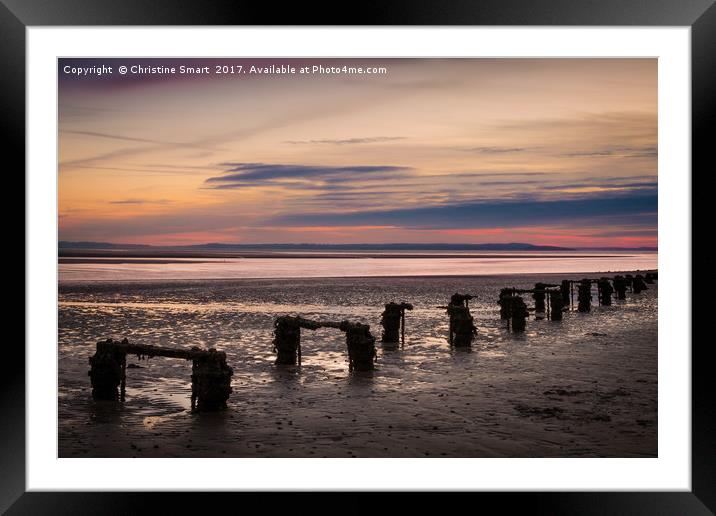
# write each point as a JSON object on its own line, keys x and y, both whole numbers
{"x": 560, "y": 298}
{"x": 359, "y": 341}
{"x": 210, "y": 374}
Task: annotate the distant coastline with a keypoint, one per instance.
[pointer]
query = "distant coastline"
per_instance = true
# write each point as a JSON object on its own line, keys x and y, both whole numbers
{"x": 123, "y": 257}
{"x": 101, "y": 252}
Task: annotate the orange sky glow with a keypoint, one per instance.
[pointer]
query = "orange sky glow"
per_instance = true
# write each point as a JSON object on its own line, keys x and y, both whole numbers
{"x": 544, "y": 151}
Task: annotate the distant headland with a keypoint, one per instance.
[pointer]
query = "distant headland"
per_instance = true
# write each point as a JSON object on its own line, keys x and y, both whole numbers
{"x": 69, "y": 249}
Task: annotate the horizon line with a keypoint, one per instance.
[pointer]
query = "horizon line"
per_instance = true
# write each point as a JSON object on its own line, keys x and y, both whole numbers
{"x": 358, "y": 244}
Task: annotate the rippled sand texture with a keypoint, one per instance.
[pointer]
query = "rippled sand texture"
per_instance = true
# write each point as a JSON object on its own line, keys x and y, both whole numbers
{"x": 583, "y": 387}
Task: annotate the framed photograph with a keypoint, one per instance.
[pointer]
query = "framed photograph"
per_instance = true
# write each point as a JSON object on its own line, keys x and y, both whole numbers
{"x": 427, "y": 251}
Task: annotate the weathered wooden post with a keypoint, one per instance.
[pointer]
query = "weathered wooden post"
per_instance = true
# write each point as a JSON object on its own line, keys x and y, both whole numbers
{"x": 402, "y": 327}
{"x": 584, "y": 295}
{"x": 620, "y": 287}
{"x": 460, "y": 300}
{"x": 629, "y": 279}
{"x": 556, "y": 302}
{"x": 539, "y": 296}
{"x": 393, "y": 322}
{"x": 361, "y": 346}
{"x": 210, "y": 381}
{"x": 107, "y": 370}
{"x": 564, "y": 288}
{"x": 605, "y": 291}
{"x": 462, "y": 329}
{"x": 518, "y": 313}
{"x": 287, "y": 337}
{"x": 287, "y": 340}
{"x": 638, "y": 284}
{"x": 505, "y": 303}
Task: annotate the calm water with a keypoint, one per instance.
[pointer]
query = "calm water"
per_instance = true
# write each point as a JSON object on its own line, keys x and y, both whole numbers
{"x": 486, "y": 264}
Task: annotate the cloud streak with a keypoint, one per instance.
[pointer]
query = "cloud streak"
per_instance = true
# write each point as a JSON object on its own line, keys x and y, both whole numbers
{"x": 624, "y": 152}
{"x": 347, "y": 141}
{"x": 496, "y": 150}
{"x": 490, "y": 214}
{"x": 603, "y": 186}
{"x": 141, "y": 201}
{"x": 240, "y": 175}
{"x": 139, "y": 140}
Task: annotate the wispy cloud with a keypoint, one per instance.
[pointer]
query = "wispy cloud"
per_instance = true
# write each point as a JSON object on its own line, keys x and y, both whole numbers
{"x": 240, "y": 175}
{"x": 495, "y": 150}
{"x": 347, "y": 141}
{"x": 630, "y": 122}
{"x": 624, "y": 152}
{"x": 603, "y": 186}
{"x": 135, "y": 139}
{"x": 496, "y": 174}
{"x": 514, "y": 182}
{"x": 244, "y": 131}
{"x": 141, "y": 201}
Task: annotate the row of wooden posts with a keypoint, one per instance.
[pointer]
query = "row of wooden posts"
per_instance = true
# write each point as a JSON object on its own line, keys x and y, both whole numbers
{"x": 552, "y": 300}
{"x": 211, "y": 375}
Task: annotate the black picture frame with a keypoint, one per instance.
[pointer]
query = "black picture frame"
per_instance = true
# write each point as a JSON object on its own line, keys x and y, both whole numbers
{"x": 700, "y": 15}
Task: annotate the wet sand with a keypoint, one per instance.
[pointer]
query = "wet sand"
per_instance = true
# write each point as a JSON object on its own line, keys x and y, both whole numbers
{"x": 583, "y": 387}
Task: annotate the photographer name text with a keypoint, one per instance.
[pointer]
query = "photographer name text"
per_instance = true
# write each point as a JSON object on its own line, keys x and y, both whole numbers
{"x": 222, "y": 69}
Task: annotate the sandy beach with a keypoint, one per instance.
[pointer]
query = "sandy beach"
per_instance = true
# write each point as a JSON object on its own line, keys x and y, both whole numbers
{"x": 583, "y": 387}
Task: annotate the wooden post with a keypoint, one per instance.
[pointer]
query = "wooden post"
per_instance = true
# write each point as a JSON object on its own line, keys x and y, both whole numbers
{"x": 556, "y": 305}
{"x": 519, "y": 314}
{"x": 193, "y": 391}
{"x": 123, "y": 385}
{"x": 393, "y": 322}
{"x": 361, "y": 346}
{"x": 402, "y": 327}
{"x": 585, "y": 295}
{"x": 211, "y": 377}
{"x": 106, "y": 371}
{"x": 287, "y": 340}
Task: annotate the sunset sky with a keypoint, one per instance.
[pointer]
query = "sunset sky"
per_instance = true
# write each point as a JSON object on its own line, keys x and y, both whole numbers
{"x": 545, "y": 151}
